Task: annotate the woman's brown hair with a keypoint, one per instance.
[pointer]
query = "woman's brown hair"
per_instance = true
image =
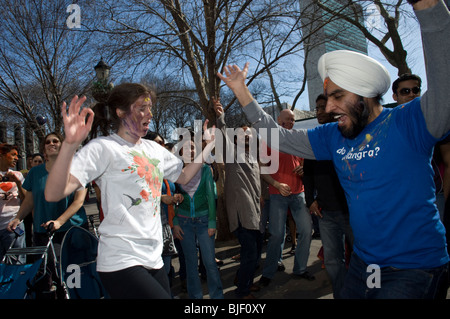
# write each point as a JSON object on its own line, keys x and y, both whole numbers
{"x": 121, "y": 97}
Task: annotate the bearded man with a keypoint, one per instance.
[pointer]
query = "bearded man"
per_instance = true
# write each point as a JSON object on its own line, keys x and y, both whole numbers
{"x": 383, "y": 160}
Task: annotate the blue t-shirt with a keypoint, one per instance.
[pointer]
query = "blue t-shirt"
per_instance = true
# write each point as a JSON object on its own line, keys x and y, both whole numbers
{"x": 45, "y": 211}
{"x": 387, "y": 176}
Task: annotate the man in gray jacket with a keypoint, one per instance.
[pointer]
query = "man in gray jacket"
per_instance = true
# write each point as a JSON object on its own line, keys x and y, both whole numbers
{"x": 242, "y": 194}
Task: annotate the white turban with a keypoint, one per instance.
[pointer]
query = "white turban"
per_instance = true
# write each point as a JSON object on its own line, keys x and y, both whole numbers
{"x": 355, "y": 72}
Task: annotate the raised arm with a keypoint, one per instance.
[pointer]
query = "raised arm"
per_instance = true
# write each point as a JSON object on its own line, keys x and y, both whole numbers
{"x": 220, "y": 115}
{"x": 434, "y": 19}
{"x": 77, "y": 124}
{"x": 295, "y": 142}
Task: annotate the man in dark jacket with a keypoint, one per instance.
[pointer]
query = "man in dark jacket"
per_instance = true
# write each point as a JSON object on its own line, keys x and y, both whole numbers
{"x": 325, "y": 199}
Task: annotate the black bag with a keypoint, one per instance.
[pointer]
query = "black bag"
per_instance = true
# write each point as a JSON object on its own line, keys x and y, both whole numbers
{"x": 169, "y": 248}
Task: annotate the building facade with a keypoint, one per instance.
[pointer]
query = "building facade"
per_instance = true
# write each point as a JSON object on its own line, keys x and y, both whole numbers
{"x": 337, "y": 34}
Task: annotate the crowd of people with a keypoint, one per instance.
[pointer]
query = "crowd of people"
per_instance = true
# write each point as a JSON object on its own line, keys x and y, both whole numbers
{"x": 365, "y": 173}
{"x": 382, "y": 158}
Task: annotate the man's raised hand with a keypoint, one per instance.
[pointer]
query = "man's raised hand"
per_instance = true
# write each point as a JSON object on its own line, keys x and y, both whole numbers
{"x": 235, "y": 78}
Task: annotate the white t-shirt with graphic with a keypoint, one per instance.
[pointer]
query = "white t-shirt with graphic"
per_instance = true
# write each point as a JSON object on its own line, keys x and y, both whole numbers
{"x": 130, "y": 178}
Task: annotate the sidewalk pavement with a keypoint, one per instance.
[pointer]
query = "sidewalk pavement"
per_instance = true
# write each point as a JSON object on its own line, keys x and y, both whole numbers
{"x": 283, "y": 286}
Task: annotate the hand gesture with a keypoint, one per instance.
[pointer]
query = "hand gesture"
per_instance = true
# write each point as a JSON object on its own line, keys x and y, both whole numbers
{"x": 235, "y": 77}
{"x": 217, "y": 106}
{"x": 235, "y": 80}
{"x": 76, "y": 126}
{"x": 208, "y": 133}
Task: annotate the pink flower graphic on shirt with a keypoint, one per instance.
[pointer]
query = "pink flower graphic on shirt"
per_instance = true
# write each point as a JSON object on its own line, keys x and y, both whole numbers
{"x": 155, "y": 187}
{"x": 144, "y": 194}
{"x": 144, "y": 168}
{"x": 147, "y": 170}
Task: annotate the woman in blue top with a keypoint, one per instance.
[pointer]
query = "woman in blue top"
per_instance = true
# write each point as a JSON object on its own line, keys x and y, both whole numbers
{"x": 64, "y": 214}
{"x": 195, "y": 222}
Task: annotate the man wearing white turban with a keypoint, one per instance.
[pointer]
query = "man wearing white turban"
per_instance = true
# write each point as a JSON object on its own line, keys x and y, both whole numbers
{"x": 347, "y": 71}
{"x": 382, "y": 158}
{"x": 355, "y": 72}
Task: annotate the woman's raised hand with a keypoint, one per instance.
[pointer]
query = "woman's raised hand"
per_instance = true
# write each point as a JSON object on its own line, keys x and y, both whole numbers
{"x": 77, "y": 125}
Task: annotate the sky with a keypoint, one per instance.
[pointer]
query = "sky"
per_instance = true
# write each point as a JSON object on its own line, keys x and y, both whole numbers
{"x": 410, "y": 32}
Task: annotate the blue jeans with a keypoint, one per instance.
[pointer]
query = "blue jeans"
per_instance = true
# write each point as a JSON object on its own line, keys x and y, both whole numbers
{"x": 394, "y": 283}
{"x": 196, "y": 230}
{"x": 334, "y": 225}
{"x": 279, "y": 205}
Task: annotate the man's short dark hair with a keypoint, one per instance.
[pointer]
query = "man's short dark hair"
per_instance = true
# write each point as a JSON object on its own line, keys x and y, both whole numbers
{"x": 5, "y": 148}
{"x": 405, "y": 77}
{"x": 321, "y": 97}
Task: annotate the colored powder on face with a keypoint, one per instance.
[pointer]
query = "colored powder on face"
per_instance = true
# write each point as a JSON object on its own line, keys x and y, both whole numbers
{"x": 325, "y": 84}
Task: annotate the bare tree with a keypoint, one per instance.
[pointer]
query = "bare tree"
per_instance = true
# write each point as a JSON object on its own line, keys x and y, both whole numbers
{"x": 42, "y": 62}
{"x": 193, "y": 40}
{"x": 175, "y": 107}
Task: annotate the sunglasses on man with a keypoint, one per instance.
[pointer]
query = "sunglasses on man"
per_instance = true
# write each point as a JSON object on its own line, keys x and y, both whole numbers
{"x": 407, "y": 91}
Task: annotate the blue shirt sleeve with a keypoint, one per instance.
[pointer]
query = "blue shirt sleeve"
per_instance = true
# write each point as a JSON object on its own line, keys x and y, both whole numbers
{"x": 320, "y": 138}
{"x": 411, "y": 122}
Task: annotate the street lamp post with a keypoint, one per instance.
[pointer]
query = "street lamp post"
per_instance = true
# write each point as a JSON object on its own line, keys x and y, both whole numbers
{"x": 101, "y": 87}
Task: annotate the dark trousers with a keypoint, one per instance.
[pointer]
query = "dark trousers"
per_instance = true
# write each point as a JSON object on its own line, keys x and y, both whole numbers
{"x": 250, "y": 241}
{"x": 137, "y": 283}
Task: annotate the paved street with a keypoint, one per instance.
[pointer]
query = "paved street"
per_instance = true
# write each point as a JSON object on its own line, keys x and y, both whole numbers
{"x": 282, "y": 286}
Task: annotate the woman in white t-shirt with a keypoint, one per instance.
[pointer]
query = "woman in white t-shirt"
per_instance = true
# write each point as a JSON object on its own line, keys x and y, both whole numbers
{"x": 129, "y": 171}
